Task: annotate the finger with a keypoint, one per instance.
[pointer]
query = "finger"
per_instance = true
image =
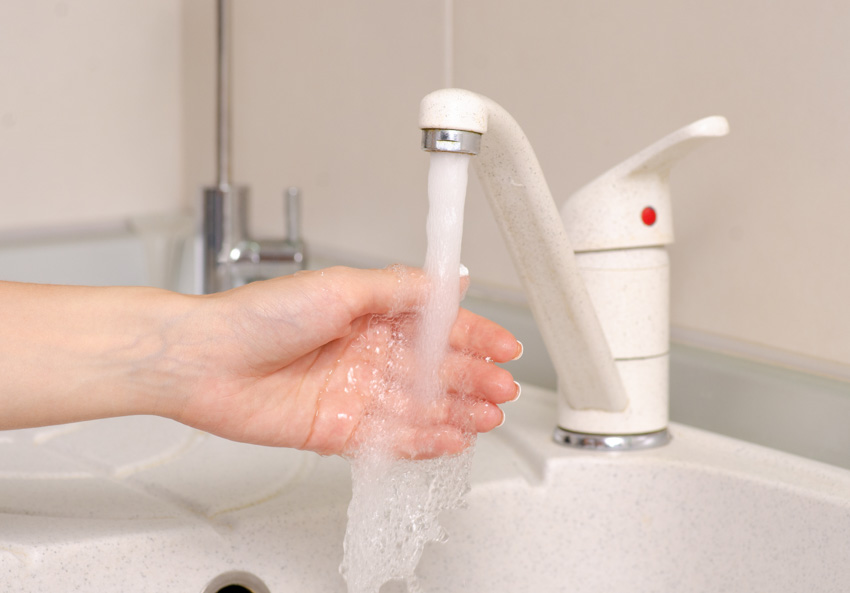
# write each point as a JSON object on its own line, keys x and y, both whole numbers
{"x": 396, "y": 288}
{"x": 434, "y": 441}
{"x": 484, "y": 338}
{"x": 466, "y": 417}
{"x": 475, "y": 377}
{"x": 379, "y": 292}
{"x": 445, "y": 428}
{"x": 486, "y": 416}
{"x": 466, "y": 413}
{"x": 415, "y": 442}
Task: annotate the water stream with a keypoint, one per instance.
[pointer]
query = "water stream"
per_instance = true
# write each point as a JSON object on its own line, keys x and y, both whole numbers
{"x": 395, "y": 502}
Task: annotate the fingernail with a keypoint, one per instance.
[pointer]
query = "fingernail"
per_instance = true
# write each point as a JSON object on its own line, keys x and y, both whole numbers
{"x": 464, "y": 271}
{"x": 519, "y": 351}
{"x": 503, "y": 419}
{"x": 518, "y": 391}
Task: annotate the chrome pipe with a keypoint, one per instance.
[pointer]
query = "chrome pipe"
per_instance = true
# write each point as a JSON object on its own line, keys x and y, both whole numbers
{"x": 292, "y": 206}
{"x": 223, "y": 94}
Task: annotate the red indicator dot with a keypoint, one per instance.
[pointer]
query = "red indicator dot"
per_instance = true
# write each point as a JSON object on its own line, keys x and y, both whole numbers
{"x": 648, "y": 216}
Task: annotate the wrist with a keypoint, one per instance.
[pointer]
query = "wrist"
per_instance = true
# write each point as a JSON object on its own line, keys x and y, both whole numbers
{"x": 165, "y": 355}
{"x": 129, "y": 343}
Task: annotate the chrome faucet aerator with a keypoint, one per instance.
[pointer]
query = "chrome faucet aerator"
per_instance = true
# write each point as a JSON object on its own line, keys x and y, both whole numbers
{"x": 451, "y": 141}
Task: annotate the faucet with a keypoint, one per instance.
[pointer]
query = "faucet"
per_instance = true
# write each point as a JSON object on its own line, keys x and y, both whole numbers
{"x": 229, "y": 256}
{"x": 596, "y": 274}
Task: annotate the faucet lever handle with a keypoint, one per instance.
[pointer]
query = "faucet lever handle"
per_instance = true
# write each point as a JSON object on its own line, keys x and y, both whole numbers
{"x": 663, "y": 154}
{"x": 629, "y": 205}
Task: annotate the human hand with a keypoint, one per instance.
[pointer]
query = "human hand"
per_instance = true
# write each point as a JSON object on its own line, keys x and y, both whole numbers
{"x": 320, "y": 360}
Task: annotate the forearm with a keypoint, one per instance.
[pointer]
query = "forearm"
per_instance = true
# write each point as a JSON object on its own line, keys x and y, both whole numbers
{"x": 77, "y": 353}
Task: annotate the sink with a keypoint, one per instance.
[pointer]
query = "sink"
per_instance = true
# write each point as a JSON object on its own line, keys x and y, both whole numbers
{"x": 145, "y": 504}
{"x": 706, "y": 513}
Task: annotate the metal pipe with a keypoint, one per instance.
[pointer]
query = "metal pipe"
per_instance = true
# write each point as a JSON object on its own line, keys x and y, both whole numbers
{"x": 212, "y": 235}
{"x": 292, "y": 205}
{"x": 223, "y": 95}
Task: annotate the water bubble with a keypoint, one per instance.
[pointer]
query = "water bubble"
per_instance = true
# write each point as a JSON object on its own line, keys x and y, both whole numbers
{"x": 396, "y": 502}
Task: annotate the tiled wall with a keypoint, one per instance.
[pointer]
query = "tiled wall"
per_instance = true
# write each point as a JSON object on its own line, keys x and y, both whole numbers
{"x": 326, "y": 97}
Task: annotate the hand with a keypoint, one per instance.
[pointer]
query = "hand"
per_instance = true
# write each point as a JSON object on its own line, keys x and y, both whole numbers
{"x": 319, "y": 360}
{"x": 314, "y": 361}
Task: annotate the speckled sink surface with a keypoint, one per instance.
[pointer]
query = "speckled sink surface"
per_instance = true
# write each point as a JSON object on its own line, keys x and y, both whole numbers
{"x": 144, "y": 504}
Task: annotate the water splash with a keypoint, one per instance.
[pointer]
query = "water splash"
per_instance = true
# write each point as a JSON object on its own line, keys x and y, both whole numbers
{"x": 396, "y": 502}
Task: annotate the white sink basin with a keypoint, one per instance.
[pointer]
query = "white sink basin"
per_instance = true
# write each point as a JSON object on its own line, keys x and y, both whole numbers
{"x": 705, "y": 513}
{"x": 144, "y": 504}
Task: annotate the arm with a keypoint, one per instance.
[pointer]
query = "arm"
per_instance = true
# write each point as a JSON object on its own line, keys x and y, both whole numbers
{"x": 72, "y": 353}
{"x": 286, "y": 362}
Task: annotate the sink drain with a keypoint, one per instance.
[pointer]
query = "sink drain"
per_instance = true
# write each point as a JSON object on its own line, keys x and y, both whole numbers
{"x": 236, "y": 582}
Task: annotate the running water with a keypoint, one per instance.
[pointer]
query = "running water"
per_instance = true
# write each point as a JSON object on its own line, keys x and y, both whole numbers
{"x": 446, "y": 196}
{"x": 395, "y": 502}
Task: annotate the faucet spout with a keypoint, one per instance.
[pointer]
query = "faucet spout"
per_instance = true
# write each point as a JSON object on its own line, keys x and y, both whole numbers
{"x": 540, "y": 248}
{"x": 598, "y": 280}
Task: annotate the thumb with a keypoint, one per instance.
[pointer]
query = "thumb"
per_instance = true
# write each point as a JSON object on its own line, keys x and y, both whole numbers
{"x": 386, "y": 291}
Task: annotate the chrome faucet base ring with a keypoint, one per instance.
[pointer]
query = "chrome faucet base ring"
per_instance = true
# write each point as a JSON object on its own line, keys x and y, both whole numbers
{"x": 611, "y": 442}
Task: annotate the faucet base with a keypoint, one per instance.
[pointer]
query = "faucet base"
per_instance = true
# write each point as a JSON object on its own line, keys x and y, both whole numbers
{"x": 611, "y": 442}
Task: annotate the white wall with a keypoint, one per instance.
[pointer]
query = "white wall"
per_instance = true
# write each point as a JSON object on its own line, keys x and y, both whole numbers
{"x": 762, "y": 248}
{"x": 90, "y": 110}
{"x": 98, "y": 95}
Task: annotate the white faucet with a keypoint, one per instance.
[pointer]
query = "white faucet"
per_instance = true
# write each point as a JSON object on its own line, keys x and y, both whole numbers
{"x": 596, "y": 274}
